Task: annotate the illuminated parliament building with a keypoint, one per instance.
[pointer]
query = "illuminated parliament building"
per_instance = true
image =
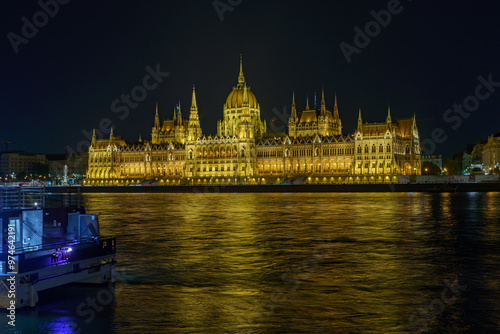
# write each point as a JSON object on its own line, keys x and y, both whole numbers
{"x": 315, "y": 150}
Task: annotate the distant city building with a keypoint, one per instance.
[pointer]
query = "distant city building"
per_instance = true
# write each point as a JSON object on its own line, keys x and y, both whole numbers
{"x": 467, "y": 157}
{"x": 243, "y": 152}
{"x": 491, "y": 152}
{"x": 15, "y": 162}
{"x": 435, "y": 159}
{"x": 477, "y": 153}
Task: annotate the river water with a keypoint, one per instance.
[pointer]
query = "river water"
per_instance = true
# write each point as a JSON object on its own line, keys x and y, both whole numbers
{"x": 288, "y": 263}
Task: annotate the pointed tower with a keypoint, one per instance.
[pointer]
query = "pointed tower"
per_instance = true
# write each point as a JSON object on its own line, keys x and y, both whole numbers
{"x": 360, "y": 122}
{"x": 157, "y": 118}
{"x": 194, "y": 120}
{"x": 179, "y": 115}
{"x": 94, "y": 139}
{"x": 292, "y": 121}
{"x": 336, "y": 109}
{"x": 323, "y": 104}
{"x": 156, "y": 128}
{"x": 111, "y": 138}
{"x": 414, "y": 130}
{"x": 388, "y": 120}
{"x": 194, "y": 107}
{"x": 241, "y": 77}
{"x": 175, "y": 114}
{"x": 307, "y": 102}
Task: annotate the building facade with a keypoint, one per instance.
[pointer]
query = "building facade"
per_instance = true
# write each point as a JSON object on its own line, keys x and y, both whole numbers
{"x": 491, "y": 152}
{"x": 13, "y": 163}
{"x": 242, "y": 152}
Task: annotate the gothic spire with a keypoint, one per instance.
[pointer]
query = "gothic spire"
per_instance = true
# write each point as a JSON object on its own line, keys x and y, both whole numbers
{"x": 307, "y": 102}
{"x": 157, "y": 117}
{"x": 336, "y": 109}
{"x": 360, "y": 122}
{"x": 294, "y": 109}
{"x": 323, "y": 104}
{"x": 193, "y": 100}
{"x": 111, "y": 137}
{"x": 179, "y": 115}
{"x": 241, "y": 77}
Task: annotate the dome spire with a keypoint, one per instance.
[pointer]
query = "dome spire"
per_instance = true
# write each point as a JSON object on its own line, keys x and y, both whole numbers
{"x": 241, "y": 77}
{"x": 307, "y": 102}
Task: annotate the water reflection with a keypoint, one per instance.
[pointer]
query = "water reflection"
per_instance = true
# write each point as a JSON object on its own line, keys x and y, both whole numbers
{"x": 301, "y": 263}
{"x": 223, "y": 262}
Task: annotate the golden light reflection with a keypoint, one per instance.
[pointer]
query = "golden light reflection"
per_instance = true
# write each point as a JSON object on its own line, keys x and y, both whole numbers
{"x": 209, "y": 261}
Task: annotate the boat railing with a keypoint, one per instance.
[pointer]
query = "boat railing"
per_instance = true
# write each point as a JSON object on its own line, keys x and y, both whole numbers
{"x": 12, "y": 198}
{"x": 26, "y": 197}
{"x": 102, "y": 247}
{"x": 47, "y": 246}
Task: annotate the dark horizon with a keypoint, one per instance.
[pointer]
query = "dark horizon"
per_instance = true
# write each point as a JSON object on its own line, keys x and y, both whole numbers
{"x": 65, "y": 80}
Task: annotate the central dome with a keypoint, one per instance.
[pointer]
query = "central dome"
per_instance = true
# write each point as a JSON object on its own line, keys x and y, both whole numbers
{"x": 235, "y": 98}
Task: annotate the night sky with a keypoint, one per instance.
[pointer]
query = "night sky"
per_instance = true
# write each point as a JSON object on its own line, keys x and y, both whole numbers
{"x": 64, "y": 79}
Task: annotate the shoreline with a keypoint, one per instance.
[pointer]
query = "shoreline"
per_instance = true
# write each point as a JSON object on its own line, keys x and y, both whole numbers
{"x": 281, "y": 188}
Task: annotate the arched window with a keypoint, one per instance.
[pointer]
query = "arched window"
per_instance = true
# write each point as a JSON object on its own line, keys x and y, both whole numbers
{"x": 374, "y": 149}
{"x": 388, "y": 148}
{"x": 359, "y": 149}
{"x": 407, "y": 149}
{"x": 366, "y": 148}
{"x": 381, "y": 149}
